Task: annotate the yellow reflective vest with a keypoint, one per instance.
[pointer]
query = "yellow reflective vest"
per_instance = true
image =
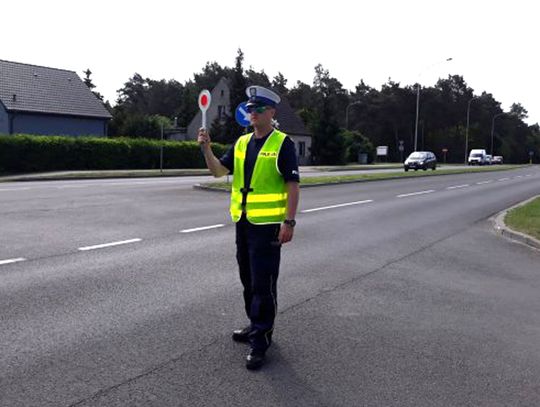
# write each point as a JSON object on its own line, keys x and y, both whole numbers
{"x": 266, "y": 200}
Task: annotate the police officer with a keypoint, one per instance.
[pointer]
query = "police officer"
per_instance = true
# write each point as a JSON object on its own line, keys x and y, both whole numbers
{"x": 264, "y": 200}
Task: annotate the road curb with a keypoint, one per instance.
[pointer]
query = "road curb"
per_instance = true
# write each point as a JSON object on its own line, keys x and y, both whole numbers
{"x": 502, "y": 229}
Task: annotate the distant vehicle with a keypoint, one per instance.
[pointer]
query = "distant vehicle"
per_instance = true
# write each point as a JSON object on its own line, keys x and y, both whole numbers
{"x": 497, "y": 159}
{"x": 488, "y": 160}
{"x": 477, "y": 157}
{"x": 420, "y": 160}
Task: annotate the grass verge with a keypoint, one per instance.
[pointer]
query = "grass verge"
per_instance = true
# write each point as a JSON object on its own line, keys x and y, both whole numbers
{"x": 343, "y": 179}
{"x": 525, "y": 219}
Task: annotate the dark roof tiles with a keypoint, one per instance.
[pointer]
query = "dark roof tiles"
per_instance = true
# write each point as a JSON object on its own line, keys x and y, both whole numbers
{"x": 32, "y": 88}
{"x": 288, "y": 120}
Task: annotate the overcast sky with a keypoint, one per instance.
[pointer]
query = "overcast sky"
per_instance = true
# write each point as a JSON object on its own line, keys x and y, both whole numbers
{"x": 494, "y": 44}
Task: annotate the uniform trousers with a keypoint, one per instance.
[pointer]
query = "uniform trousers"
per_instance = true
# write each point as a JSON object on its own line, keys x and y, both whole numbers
{"x": 258, "y": 253}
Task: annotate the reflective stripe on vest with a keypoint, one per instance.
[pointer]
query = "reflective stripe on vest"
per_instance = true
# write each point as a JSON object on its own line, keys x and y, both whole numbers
{"x": 266, "y": 202}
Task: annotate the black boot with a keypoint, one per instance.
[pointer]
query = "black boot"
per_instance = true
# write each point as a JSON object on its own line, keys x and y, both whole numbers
{"x": 241, "y": 335}
{"x": 255, "y": 359}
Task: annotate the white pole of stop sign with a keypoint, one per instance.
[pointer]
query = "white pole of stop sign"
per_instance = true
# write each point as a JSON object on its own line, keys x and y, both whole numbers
{"x": 205, "y": 98}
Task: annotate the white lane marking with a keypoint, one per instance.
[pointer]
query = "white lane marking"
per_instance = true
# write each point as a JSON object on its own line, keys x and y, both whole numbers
{"x": 459, "y": 186}
{"x": 9, "y": 261}
{"x": 503, "y": 179}
{"x": 528, "y": 175}
{"x": 101, "y": 246}
{"x": 72, "y": 186}
{"x": 519, "y": 176}
{"x": 13, "y": 189}
{"x": 201, "y": 228}
{"x": 416, "y": 193}
{"x": 129, "y": 183}
{"x": 484, "y": 182}
{"x": 336, "y": 206}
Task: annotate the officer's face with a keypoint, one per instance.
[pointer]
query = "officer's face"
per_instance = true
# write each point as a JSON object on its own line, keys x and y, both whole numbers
{"x": 262, "y": 116}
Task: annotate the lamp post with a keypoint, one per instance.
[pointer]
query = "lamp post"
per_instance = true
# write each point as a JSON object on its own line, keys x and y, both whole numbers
{"x": 347, "y": 113}
{"x": 467, "y": 128}
{"x": 418, "y": 105}
{"x": 493, "y": 130}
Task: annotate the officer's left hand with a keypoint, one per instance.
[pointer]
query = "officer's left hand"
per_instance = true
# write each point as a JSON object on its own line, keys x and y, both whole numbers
{"x": 285, "y": 233}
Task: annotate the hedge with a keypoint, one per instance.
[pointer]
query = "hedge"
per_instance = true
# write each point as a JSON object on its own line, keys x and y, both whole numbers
{"x": 29, "y": 153}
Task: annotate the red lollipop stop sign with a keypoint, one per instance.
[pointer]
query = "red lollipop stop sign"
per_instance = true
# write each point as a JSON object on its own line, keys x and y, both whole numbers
{"x": 205, "y": 98}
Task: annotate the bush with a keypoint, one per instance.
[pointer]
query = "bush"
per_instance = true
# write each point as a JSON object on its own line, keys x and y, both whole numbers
{"x": 28, "y": 153}
{"x": 357, "y": 143}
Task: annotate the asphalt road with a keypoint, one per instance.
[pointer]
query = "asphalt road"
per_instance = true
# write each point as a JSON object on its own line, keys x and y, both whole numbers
{"x": 393, "y": 293}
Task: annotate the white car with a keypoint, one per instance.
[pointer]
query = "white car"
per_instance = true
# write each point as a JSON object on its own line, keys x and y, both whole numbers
{"x": 477, "y": 157}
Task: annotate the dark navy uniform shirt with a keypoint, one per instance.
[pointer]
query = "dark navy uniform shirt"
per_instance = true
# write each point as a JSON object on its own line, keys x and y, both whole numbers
{"x": 287, "y": 160}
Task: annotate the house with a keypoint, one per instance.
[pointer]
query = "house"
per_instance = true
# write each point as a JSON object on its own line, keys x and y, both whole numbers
{"x": 40, "y": 100}
{"x": 289, "y": 122}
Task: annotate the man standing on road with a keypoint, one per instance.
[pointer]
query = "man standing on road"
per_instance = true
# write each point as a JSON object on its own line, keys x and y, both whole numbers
{"x": 264, "y": 200}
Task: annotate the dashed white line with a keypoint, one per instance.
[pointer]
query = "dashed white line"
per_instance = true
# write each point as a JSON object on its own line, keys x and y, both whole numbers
{"x": 101, "y": 246}
{"x": 519, "y": 176}
{"x": 322, "y": 208}
{"x": 10, "y": 261}
{"x": 459, "y": 186}
{"x": 416, "y": 193}
{"x": 201, "y": 228}
{"x": 503, "y": 179}
{"x": 72, "y": 186}
{"x": 484, "y": 182}
{"x": 130, "y": 183}
{"x": 528, "y": 175}
{"x": 13, "y": 189}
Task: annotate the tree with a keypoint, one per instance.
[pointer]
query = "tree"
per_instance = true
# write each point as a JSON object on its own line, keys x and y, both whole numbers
{"x": 328, "y": 144}
{"x": 211, "y": 73}
{"x": 519, "y": 111}
{"x": 257, "y": 78}
{"x": 356, "y": 143}
{"x": 237, "y": 87}
{"x": 279, "y": 84}
{"x": 145, "y": 126}
{"x": 88, "y": 82}
{"x": 132, "y": 97}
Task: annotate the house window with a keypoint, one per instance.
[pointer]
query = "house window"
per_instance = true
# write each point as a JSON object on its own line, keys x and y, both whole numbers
{"x": 221, "y": 112}
{"x": 302, "y": 148}
{"x": 222, "y": 92}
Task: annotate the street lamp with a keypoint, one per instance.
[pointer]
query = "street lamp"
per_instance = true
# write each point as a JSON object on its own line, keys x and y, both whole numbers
{"x": 467, "y": 128}
{"x": 347, "y": 113}
{"x": 493, "y": 129}
{"x": 418, "y": 105}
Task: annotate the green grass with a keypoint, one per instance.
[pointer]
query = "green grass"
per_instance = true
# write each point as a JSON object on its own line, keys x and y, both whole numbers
{"x": 330, "y": 179}
{"x": 353, "y": 167}
{"x": 525, "y": 219}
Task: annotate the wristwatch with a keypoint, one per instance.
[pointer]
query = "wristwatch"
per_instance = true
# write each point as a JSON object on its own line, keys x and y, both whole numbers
{"x": 290, "y": 222}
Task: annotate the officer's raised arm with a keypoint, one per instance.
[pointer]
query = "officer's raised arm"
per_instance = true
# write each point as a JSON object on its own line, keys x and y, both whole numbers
{"x": 212, "y": 162}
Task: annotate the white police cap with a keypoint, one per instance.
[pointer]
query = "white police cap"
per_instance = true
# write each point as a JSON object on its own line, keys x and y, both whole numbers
{"x": 262, "y": 96}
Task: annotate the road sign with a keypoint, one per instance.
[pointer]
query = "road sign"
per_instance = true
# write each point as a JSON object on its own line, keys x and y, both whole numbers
{"x": 444, "y": 150}
{"x": 382, "y": 150}
{"x": 242, "y": 115}
{"x": 401, "y": 148}
{"x": 205, "y": 98}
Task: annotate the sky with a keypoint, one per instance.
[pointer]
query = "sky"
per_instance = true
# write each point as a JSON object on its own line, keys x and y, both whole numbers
{"x": 493, "y": 44}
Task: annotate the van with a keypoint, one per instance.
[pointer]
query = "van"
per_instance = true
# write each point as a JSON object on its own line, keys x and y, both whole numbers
{"x": 477, "y": 157}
